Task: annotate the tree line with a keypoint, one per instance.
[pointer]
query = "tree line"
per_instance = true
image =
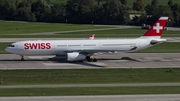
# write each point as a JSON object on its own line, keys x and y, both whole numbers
{"x": 88, "y": 11}
{"x": 155, "y": 10}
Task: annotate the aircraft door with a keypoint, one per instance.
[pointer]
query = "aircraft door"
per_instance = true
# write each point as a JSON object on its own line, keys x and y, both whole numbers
{"x": 20, "y": 47}
{"x": 135, "y": 46}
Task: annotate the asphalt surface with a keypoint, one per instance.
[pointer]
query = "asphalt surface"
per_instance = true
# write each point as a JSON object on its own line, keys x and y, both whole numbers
{"x": 157, "y": 97}
{"x": 118, "y": 60}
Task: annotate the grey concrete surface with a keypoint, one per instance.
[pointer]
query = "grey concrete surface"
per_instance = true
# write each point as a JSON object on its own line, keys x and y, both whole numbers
{"x": 176, "y": 39}
{"x": 173, "y": 28}
{"x": 157, "y": 97}
{"x": 119, "y": 60}
{"x": 91, "y": 85}
{"x": 127, "y": 26}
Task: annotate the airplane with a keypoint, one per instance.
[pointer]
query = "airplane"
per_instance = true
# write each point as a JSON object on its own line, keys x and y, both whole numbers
{"x": 80, "y": 50}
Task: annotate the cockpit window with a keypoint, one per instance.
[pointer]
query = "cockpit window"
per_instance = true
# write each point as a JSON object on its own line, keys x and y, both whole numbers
{"x": 11, "y": 46}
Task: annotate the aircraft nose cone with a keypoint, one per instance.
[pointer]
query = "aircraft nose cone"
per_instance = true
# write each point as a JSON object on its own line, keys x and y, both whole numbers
{"x": 7, "y": 49}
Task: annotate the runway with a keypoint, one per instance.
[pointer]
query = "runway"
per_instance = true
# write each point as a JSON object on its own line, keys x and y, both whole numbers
{"x": 119, "y": 60}
{"x": 157, "y": 97}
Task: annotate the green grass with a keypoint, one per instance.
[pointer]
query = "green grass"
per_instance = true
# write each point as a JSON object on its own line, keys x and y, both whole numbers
{"x": 111, "y": 33}
{"x": 167, "y": 47}
{"x": 16, "y": 29}
{"x": 88, "y": 91}
{"x": 90, "y": 76}
{"x": 3, "y": 46}
{"x": 7, "y": 27}
{"x": 118, "y": 33}
{"x": 48, "y": 36}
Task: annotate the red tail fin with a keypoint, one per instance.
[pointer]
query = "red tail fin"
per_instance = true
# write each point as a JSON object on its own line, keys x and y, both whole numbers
{"x": 157, "y": 29}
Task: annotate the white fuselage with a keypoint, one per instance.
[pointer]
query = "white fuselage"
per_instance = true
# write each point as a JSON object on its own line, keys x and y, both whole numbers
{"x": 58, "y": 47}
{"x": 79, "y": 50}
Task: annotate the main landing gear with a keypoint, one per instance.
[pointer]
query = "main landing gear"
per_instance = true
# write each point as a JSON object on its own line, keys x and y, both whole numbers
{"x": 22, "y": 58}
{"x": 91, "y": 59}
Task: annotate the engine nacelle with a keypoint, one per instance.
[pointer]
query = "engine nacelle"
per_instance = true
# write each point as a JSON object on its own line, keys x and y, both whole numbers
{"x": 75, "y": 57}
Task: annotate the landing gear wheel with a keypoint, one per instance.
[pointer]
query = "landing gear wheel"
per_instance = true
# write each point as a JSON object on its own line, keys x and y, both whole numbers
{"x": 87, "y": 57}
{"x": 90, "y": 59}
{"x": 22, "y": 58}
{"x": 94, "y": 60}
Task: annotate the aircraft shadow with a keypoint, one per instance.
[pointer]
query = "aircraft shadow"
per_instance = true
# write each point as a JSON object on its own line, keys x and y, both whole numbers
{"x": 63, "y": 60}
{"x": 26, "y": 60}
{"x": 84, "y": 63}
{"x": 54, "y": 60}
{"x": 87, "y": 64}
{"x": 123, "y": 58}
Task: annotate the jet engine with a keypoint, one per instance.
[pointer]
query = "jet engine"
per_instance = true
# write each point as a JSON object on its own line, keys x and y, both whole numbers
{"x": 75, "y": 57}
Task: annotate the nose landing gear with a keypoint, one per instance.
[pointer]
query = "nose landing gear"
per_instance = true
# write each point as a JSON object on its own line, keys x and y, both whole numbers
{"x": 22, "y": 58}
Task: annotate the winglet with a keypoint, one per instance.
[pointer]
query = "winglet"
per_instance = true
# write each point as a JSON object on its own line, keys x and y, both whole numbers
{"x": 92, "y": 36}
{"x": 157, "y": 29}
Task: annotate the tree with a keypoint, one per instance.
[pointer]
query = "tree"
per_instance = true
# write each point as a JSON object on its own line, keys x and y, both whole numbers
{"x": 154, "y": 11}
{"x": 24, "y": 14}
{"x": 154, "y": 2}
{"x": 161, "y": 11}
{"x": 175, "y": 8}
{"x": 48, "y": 1}
{"x": 58, "y": 13}
{"x": 41, "y": 9}
{"x": 177, "y": 19}
{"x": 72, "y": 10}
{"x": 86, "y": 7}
{"x": 151, "y": 9}
{"x": 99, "y": 2}
{"x": 24, "y": 11}
{"x": 115, "y": 13}
{"x": 123, "y": 2}
{"x": 138, "y": 5}
{"x": 8, "y": 9}
{"x": 170, "y": 3}
{"x": 2, "y": 15}
{"x": 80, "y": 11}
